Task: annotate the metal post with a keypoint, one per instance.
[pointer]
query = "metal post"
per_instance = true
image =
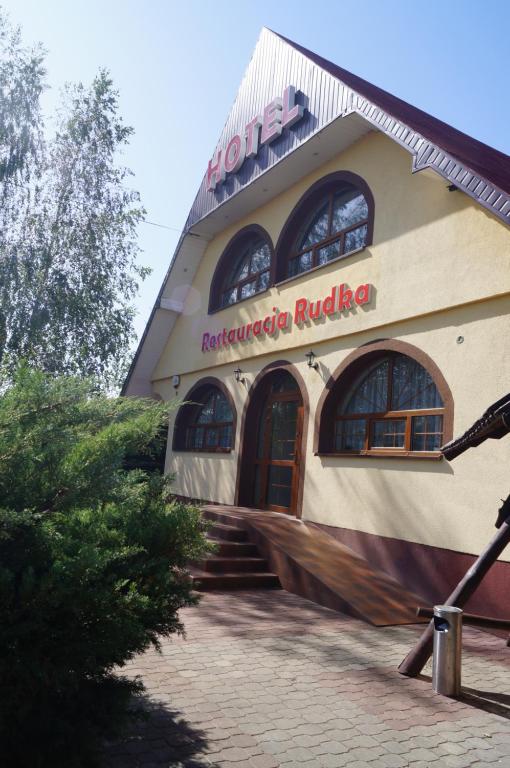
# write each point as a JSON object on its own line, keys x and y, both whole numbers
{"x": 416, "y": 659}
{"x": 446, "y": 663}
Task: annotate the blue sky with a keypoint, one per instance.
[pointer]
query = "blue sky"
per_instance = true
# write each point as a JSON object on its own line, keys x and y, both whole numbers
{"x": 178, "y": 65}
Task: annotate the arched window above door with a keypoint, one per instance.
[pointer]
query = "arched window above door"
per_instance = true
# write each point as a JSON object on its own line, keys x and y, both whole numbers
{"x": 333, "y": 219}
{"x": 243, "y": 270}
{"x": 386, "y": 403}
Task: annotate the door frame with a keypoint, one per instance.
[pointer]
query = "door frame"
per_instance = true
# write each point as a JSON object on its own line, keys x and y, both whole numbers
{"x": 247, "y": 445}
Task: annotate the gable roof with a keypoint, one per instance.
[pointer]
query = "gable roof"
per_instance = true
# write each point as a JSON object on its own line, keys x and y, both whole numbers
{"x": 490, "y": 163}
{"x": 340, "y": 108}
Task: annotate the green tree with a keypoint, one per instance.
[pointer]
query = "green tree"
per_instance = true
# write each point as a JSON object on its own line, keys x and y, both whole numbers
{"x": 68, "y": 245}
{"x": 92, "y": 563}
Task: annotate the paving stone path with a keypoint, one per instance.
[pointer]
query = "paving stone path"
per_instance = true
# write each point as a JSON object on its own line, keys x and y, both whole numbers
{"x": 266, "y": 679}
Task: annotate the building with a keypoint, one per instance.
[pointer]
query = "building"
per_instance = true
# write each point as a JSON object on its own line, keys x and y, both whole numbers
{"x": 337, "y": 309}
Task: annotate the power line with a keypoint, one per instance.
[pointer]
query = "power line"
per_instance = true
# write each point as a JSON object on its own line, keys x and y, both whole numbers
{"x": 163, "y": 226}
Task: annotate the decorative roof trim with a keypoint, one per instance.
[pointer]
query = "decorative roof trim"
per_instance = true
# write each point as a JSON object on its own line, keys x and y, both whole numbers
{"x": 426, "y": 154}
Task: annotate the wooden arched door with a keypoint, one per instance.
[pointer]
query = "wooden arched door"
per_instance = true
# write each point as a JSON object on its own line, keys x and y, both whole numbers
{"x": 276, "y": 444}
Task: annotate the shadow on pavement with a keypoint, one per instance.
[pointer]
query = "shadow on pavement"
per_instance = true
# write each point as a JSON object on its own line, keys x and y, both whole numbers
{"x": 158, "y": 736}
{"x": 489, "y": 701}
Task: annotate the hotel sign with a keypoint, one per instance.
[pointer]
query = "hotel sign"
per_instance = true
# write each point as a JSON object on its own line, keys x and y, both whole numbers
{"x": 341, "y": 299}
{"x": 280, "y": 113}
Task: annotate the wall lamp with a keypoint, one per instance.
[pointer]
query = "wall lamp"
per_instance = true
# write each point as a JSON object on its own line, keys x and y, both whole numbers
{"x": 238, "y": 376}
{"x": 310, "y": 359}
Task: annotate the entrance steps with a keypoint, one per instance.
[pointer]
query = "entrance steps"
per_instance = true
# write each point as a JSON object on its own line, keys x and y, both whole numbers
{"x": 277, "y": 549}
{"x": 236, "y": 563}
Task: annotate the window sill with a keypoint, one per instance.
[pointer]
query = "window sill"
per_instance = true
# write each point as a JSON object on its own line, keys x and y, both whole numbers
{"x": 429, "y": 456}
{"x": 202, "y": 450}
{"x": 321, "y": 266}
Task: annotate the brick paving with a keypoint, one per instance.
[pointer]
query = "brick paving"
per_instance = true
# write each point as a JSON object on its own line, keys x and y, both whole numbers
{"x": 266, "y": 679}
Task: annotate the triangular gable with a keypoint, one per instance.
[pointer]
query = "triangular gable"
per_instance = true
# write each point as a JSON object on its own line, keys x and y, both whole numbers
{"x": 329, "y": 93}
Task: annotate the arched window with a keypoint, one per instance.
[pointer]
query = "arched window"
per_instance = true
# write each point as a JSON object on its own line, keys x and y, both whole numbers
{"x": 206, "y": 422}
{"x": 392, "y": 405}
{"x": 243, "y": 270}
{"x": 332, "y": 220}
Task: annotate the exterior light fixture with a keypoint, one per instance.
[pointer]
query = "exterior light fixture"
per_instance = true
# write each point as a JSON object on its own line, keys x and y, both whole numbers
{"x": 310, "y": 359}
{"x": 238, "y": 375}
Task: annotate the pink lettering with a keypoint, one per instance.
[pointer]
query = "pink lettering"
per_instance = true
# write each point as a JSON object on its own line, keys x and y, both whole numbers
{"x": 283, "y": 319}
{"x": 329, "y": 303}
{"x": 291, "y": 112}
{"x": 252, "y": 136}
{"x": 215, "y": 172}
{"x": 300, "y": 311}
{"x": 235, "y": 154}
{"x": 344, "y": 298}
{"x": 272, "y": 121}
{"x": 363, "y": 294}
{"x": 205, "y": 342}
{"x": 314, "y": 311}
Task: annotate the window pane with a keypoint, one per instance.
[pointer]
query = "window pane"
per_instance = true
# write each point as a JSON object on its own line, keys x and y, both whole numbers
{"x": 195, "y": 437}
{"x": 263, "y": 281}
{"x": 206, "y": 414}
{"x": 350, "y": 434}
{"x": 317, "y": 230}
{"x": 248, "y": 289}
{"x": 300, "y": 264}
{"x": 222, "y": 411}
{"x": 261, "y": 259}
{"x": 211, "y": 438}
{"x": 229, "y": 297}
{"x": 356, "y": 238}
{"x": 348, "y": 208}
{"x": 412, "y": 386}
{"x": 370, "y": 395}
{"x": 241, "y": 271}
{"x": 328, "y": 252}
{"x": 225, "y": 440}
{"x": 427, "y": 433}
{"x": 388, "y": 433}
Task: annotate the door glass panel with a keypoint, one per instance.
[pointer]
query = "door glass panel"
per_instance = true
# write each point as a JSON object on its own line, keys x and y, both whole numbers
{"x": 283, "y": 429}
{"x": 284, "y": 383}
{"x": 279, "y": 486}
{"x": 257, "y": 486}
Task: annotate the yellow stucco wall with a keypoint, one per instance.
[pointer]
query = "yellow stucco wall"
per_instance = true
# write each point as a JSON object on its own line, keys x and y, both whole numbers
{"x": 431, "y": 249}
{"x": 440, "y": 266}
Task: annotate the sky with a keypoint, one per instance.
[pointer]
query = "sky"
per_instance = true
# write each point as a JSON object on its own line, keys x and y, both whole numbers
{"x": 178, "y": 65}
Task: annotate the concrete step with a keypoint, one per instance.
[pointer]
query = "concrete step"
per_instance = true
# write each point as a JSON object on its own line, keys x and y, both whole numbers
{"x": 215, "y": 564}
{"x": 227, "y": 533}
{"x": 204, "y": 581}
{"x": 234, "y": 549}
{"x": 223, "y": 517}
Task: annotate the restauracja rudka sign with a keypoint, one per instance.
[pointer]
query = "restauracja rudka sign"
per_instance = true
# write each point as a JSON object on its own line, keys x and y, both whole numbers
{"x": 340, "y": 299}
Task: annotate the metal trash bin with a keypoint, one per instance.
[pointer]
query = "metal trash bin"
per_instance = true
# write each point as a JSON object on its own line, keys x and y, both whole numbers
{"x": 446, "y": 662}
